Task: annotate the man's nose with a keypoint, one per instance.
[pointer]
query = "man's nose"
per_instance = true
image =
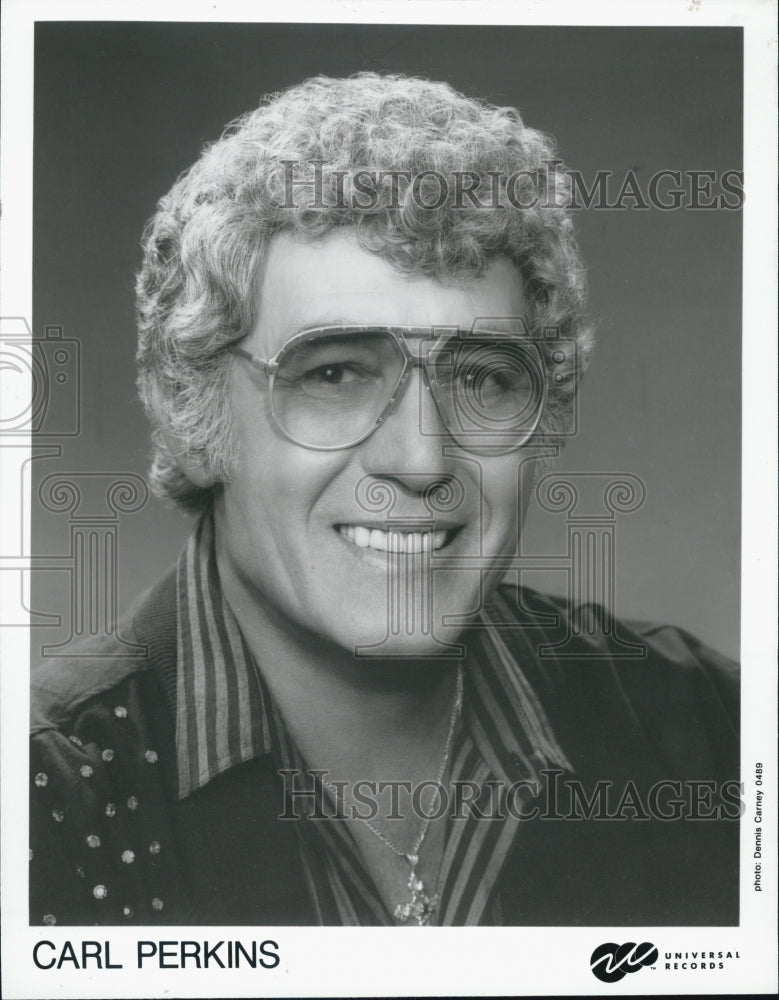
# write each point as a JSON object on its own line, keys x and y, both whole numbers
{"x": 410, "y": 445}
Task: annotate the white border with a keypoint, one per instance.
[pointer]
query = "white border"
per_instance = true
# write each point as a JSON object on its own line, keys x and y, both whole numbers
{"x": 343, "y": 962}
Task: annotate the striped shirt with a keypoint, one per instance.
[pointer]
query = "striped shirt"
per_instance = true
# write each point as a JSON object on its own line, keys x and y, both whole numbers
{"x": 226, "y": 716}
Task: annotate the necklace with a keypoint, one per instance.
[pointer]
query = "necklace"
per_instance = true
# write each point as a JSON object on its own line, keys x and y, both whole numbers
{"x": 420, "y": 906}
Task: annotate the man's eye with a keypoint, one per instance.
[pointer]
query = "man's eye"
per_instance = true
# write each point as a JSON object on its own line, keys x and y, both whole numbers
{"x": 335, "y": 374}
{"x": 336, "y": 381}
{"x": 487, "y": 378}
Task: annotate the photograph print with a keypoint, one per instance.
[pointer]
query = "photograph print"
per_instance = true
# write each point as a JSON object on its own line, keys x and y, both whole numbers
{"x": 386, "y": 516}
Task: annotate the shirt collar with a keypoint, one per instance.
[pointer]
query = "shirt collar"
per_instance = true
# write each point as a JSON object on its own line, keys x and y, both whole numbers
{"x": 503, "y": 711}
{"x": 222, "y": 707}
{"x": 224, "y": 712}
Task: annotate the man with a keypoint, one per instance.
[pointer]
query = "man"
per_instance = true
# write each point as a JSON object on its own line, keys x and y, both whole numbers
{"x": 360, "y": 329}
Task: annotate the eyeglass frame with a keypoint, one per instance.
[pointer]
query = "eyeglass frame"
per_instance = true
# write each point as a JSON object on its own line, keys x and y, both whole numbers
{"x": 400, "y": 334}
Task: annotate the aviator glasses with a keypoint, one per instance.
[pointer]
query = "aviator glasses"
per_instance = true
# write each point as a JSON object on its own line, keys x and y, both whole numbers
{"x": 333, "y": 386}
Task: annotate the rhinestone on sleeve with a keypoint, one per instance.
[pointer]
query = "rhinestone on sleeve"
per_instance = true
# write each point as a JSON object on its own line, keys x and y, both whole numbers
{"x": 93, "y": 840}
{"x": 49, "y": 919}
{"x": 157, "y": 904}
{"x": 100, "y": 892}
{"x": 120, "y": 712}
{"x": 154, "y": 847}
{"x": 127, "y": 911}
{"x": 107, "y": 754}
{"x": 110, "y": 809}
{"x": 58, "y": 815}
{"x": 132, "y": 803}
{"x": 41, "y": 779}
{"x": 151, "y": 756}
{"x": 86, "y": 770}
{"x": 128, "y": 857}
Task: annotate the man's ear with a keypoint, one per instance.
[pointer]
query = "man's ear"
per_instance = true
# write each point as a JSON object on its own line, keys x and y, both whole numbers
{"x": 191, "y": 467}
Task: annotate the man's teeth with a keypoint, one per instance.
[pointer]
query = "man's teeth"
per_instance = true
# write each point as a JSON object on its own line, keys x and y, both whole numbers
{"x": 409, "y": 542}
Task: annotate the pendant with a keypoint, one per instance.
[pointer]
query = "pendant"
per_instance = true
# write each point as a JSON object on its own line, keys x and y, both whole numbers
{"x": 420, "y": 907}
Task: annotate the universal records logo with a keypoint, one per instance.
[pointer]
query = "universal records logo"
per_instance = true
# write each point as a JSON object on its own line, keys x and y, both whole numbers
{"x": 612, "y": 962}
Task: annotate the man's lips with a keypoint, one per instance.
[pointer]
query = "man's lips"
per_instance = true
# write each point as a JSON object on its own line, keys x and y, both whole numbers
{"x": 394, "y": 540}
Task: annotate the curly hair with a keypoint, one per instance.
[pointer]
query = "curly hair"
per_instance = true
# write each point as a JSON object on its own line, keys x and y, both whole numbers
{"x": 202, "y": 250}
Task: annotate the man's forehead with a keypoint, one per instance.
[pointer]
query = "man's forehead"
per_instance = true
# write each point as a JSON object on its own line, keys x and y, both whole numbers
{"x": 335, "y": 281}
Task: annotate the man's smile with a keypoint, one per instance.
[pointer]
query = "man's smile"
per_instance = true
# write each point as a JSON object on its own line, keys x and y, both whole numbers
{"x": 394, "y": 540}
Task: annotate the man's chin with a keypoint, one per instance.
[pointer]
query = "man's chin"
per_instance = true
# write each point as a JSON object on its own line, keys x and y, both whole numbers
{"x": 407, "y": 620}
